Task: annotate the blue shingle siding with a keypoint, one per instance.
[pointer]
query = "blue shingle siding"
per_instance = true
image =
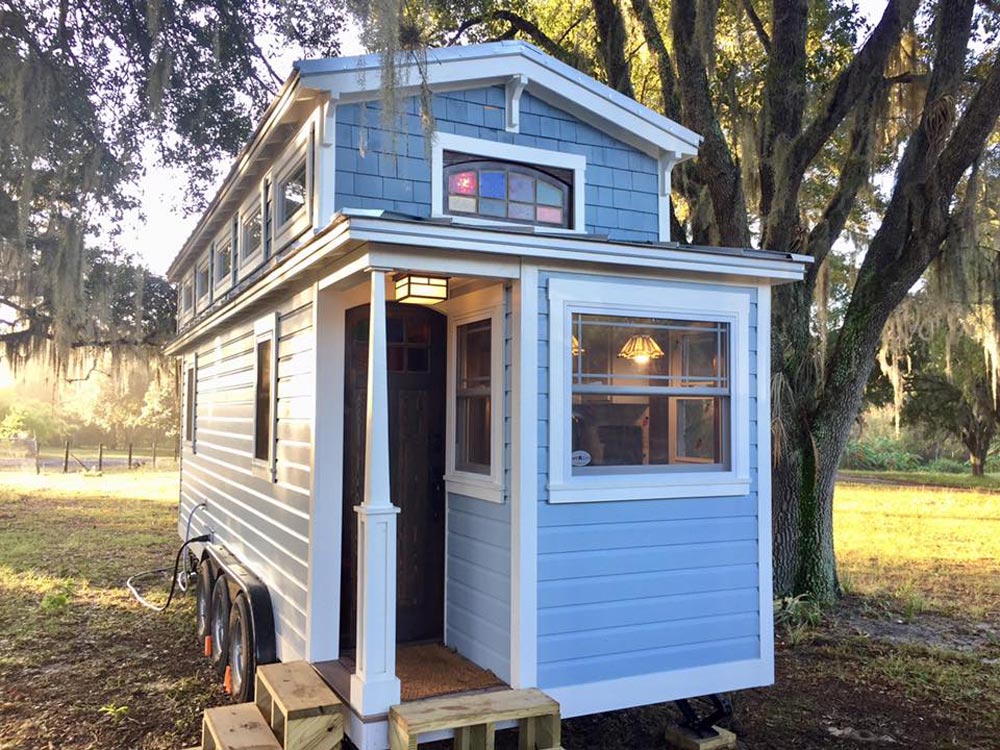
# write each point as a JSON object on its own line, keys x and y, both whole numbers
{"x": 621, "y": 190}
{"x": 479, "y": 565}
{"x": 640, "y": 587}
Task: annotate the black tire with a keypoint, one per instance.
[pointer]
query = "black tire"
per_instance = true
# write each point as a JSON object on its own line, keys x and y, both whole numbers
{"x": 220, "y": 625}
{"x": 240, "y": 651}
{"x": 203, "y": 603}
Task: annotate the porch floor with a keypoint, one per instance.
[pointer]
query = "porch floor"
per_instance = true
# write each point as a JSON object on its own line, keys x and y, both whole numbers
{"x": 424, "y": 669}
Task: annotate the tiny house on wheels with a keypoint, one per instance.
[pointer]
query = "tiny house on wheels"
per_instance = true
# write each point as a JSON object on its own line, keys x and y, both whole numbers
{"x": 459, "y": 415}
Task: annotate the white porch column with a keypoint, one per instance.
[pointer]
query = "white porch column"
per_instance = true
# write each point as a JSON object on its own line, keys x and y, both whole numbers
{"x": 374, "y": 685}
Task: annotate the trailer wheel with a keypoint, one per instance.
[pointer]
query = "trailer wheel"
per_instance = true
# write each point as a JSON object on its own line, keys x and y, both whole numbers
{"x": 203, "y": 606}
{"x": 241, "y": 650}
{"x": 220, "y": 624}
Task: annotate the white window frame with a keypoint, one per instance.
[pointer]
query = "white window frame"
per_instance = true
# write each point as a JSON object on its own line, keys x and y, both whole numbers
{"x": 298, "y": 153}
{"x": 255, "y": 201}
{"x": 494, "y": 151}
{"x": 223, "y": 283}
{"x": 185, "y": 312}
{"x": 266, "y": 329}
{"x": 669, "y": 300}
{"x": 205, "y": 264}
{"x": 191, "y": 402}
{"x": 485, "y": 304}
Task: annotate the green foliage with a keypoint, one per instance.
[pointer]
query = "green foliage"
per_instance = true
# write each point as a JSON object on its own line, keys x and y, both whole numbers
{"x": 34, "y": 418}
{"x": 793, "y": 611}
{"x": 56, "y": 601}
{"x": 114, "y": 712}
{"x": 946, "y": 466}
{"x": 879, "y": 454}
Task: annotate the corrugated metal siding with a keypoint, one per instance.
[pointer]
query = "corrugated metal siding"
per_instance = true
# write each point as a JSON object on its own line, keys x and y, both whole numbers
{"x": 478, "y": 566}
{"x": 264, "y": 523}
{"x": 372, "y": 172}
{"x": 639, "y": 587}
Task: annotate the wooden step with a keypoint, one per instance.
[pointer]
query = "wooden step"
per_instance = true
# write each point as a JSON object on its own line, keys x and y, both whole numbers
{"x": 474, "y": 718}
{"x": 301, "y": 708}
{"x": 237, "y": 727}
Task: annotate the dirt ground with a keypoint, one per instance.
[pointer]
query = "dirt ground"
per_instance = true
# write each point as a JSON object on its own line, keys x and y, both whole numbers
{"x": 910, "y": 659}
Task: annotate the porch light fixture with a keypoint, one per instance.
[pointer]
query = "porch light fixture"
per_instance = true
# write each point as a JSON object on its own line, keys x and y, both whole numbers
{"x": 640, "y": 348}
{"x": 420, "y": 289}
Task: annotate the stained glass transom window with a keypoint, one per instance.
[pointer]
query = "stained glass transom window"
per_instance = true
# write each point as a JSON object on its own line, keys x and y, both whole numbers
{"x": 507, "y": 192}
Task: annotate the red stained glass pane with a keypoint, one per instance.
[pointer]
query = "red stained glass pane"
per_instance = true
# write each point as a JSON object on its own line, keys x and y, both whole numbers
{"x": 462, "y": 183}
{"x": 549, "y": 215}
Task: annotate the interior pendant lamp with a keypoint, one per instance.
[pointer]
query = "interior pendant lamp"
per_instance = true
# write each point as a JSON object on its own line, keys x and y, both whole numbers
{"x": 640, "y": 348}
{"x": 421, "y": 289}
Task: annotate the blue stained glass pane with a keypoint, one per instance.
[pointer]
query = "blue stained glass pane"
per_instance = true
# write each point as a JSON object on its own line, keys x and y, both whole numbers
{"x": 522, "y": 188}
{"x": 491, "y": 207}
{"x": 549, "y": 195}
{"x": 493, "y": 184}
{"x": 521, "y": 211}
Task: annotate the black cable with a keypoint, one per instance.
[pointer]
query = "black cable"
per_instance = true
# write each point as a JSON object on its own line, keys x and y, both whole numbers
{"x": 173, "y": 583}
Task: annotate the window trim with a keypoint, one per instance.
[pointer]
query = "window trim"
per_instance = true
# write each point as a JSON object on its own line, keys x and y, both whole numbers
{"x": 265, "y": 329}
{"x": 494, "y": 151}
{"x": 300, "y": 152}
{"x": 223, "y": 283}
{"x": 486, "y": 304}
{"x": 672, "y": 300}
{"x": 191, "y": 403}
{"x": 247, "y": 264}
{"x": 205, "y": 264}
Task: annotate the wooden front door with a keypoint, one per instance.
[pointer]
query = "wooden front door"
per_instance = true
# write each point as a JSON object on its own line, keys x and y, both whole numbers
{"x": 416, "y": 364}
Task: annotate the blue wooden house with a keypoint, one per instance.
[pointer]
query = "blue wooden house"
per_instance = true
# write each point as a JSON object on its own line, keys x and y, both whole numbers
{"x": 462, "y": 410}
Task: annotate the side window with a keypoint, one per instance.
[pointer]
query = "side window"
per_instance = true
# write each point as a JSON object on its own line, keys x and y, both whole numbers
{"x": 187, "y": 296}
{"x": 292, "y": 194}
{"x": 223, "y": 262}
{"x": 472, "y": 397}
{"x": 190, "y": 401}
{"x": 474, "y": 465}
{"x": 264, "y": 401}
{"x": 203, "y": 280}
{"x": 251, "y": 231}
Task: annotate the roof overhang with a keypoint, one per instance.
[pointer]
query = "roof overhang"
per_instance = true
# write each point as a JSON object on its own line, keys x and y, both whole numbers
{"x": 378, "y": 239}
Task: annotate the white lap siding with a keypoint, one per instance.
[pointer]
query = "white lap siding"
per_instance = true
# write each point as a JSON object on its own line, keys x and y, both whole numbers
{"x": 264, "y": 523}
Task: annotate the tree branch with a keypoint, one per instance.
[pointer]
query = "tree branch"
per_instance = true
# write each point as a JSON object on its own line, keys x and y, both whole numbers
{"x": 758, "y": 25}
{"x": 654, "y": 40}
{"x": 715, "y": 164}
{"x": 517, "y": 23}
{"x": 612, "y": 39}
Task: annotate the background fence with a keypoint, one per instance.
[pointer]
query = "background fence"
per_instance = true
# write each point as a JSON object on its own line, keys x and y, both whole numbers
{"x": 25, "y": 454}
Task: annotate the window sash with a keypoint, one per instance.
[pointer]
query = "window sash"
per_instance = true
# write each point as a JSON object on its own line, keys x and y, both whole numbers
{"x": 471, "y": 392}
{"x": 263, "y": 399}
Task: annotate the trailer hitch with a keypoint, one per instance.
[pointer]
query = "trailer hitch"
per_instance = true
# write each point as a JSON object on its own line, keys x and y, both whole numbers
{"x": 703, "y": 727}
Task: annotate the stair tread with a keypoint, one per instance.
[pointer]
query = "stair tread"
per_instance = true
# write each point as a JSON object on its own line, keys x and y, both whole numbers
{"x": 448, "y": 712}
{"x": 240, "y": 727}
{"x": 297, "y": 689}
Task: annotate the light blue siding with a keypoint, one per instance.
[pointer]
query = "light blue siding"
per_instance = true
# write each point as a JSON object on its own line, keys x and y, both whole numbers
{"x": 478, "y": 565}
{"x": 640, "y": 587}
{"x": 373, "y": 172}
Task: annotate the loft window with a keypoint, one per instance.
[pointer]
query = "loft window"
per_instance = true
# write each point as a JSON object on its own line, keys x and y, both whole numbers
{"x": 223, "y": 262}
{"x": 202, "y": 280}
{"x": 292, "y": 193}
{"x": 648, "y": 392}
{"x": 505, "y": 191}
{"x": 473, "y": 397}
{"x": 263, "y": 399}
{"x": 251, "y": 233}
{"x": 187, "y": 296}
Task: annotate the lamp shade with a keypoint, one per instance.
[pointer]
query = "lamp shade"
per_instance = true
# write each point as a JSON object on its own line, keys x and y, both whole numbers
{"x": 421, "y": 289}
{"x": 576, "y": 349}
{"x": 640, "y": 348}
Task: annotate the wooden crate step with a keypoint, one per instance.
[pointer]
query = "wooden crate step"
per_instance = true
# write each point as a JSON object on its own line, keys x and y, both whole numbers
{"x": 474, "y": 718}
{"x": 237, "y": 727}
{"x": 301, "y": 709}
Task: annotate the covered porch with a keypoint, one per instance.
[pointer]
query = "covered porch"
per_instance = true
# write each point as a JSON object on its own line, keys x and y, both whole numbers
{"x": 414, "y": 548}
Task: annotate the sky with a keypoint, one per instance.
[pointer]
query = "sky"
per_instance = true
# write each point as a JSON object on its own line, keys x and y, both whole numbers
{"x": 157, "y": 231}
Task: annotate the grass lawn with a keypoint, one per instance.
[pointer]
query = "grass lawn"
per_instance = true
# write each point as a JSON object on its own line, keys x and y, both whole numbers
{"x": 990, "y": 482}
{"x": 912, "y": 655}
